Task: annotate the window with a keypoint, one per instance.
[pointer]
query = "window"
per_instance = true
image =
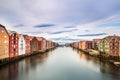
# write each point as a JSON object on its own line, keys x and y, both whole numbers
{"x": 14, "y": 46}
{"x": 14, "y": 41}
{"x": 6, "y": 49}
{"x": 5, "y": 41}
{"x": 14, "y": 38}
{"x": 5, "y": 36}
{"x": 14, "y": 34}
{"x": 2, "y": 31}
{"x": 14, "y": 50}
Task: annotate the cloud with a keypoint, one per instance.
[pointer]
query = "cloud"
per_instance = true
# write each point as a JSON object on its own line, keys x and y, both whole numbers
{"x": 108, "y": 24}
{"x": 86, "y": 35}
{"x": 87, "y": 30}
{"x": 44, "y": 25}
{"x": 64, "y": 31}
{"x": 69, "y": 26}
{"x": 33, "y": 32}
{"x": 20, "y": 25}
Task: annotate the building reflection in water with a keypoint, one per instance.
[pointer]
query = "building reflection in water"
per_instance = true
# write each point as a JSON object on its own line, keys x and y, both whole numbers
{"x": 22, "y": 68}
{"x": 106, "y": 69}
{"x": 113, "y": 71}
{"x": 4, "y": 73}
{"x": 46, "y": 66}
{"x": 13, "y": 71}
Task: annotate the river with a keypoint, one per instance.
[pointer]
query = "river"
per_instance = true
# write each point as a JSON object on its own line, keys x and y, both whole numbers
{"x": 62, "y": 63}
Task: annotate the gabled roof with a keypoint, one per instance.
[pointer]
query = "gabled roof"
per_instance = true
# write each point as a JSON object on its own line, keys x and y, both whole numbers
{"x": 4, "y": 28}
{"x": 31, "y": 37}
{"x": 11, "y": 32}
{"x": 40, "y": 38}
{"x": 25, "y": 35}
{"x": 109, "y": 38}
{"x": 19, "y": 35}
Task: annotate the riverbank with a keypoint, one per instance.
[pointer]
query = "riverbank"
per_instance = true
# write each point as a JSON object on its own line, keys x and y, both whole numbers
{"x": 17, "y": 58}
{"x": 115, "y": 60}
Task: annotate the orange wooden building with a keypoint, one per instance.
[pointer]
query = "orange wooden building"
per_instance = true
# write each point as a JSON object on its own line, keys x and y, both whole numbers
{"x": 4, "y": 42}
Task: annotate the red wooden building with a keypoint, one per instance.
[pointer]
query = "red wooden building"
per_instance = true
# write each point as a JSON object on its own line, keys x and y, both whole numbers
{"x": 42, "y": 43}
{"x": 13, "y": 44}
{"x": 27, "y": 42}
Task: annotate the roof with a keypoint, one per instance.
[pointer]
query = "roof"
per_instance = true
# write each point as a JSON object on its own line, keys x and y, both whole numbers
{"x": 109, "y": 38}
{"x": 25, "y": 36}
{"x": 11, "y": 32}
{"x": 40, "y": 38}
{"x": 4, "y": 28}
{"x": 31, "y": 37}
{"x": 97, "y": 40}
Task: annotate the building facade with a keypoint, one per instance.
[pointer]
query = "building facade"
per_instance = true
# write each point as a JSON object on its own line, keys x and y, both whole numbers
{"x": 4, "y": 42}
{"x": 110, "y": 45}
{"x": 27, "y": 43}
{"x": 104, "y": 46}
{"x": 13, "y": 44}
{"x": 21, "y": 45}
{"x": 42, "y": 43}
{"x": 114, "y": 46}
{"x": 95, "y": 43}
{"x": 34, "y": 45}
{"x": 75, "y": 44}
{"x": 85, "y": 45}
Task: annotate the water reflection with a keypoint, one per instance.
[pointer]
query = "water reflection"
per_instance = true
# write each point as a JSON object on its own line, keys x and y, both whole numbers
{"x": 13, "y": 71}
{"x": 108, "y": 71}
{"x": 63, "y": 63}
{"x": 17, "y": 70}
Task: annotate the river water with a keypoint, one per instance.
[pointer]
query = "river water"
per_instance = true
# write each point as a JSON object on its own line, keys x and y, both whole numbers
{"x": 63, "y": 63}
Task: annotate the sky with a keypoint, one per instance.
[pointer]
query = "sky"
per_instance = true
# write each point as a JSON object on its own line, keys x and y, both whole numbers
{"x": 62, "y": 21}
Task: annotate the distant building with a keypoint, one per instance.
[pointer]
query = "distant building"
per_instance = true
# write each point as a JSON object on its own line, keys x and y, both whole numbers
{"x": 34, "y": 45}
{"x": 96, "y": 42}
{"x": 21, "y": 45}
{"x": 50, "y": 44}
{"x": 27, "y": 43}
{"x": 82, "y": 45}
{"x": 85, "y": 45}
{"x": 47, "y": 44}
{"x": 42, "y": 43}
{"x": 4, "y": 42}
{"x": 75, "y": 44}
{"x": 13, "y": 44}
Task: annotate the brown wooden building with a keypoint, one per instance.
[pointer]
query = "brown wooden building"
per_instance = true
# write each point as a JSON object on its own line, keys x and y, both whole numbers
{"x": 34, "y": 45}
{"x": 114, "y": 45}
